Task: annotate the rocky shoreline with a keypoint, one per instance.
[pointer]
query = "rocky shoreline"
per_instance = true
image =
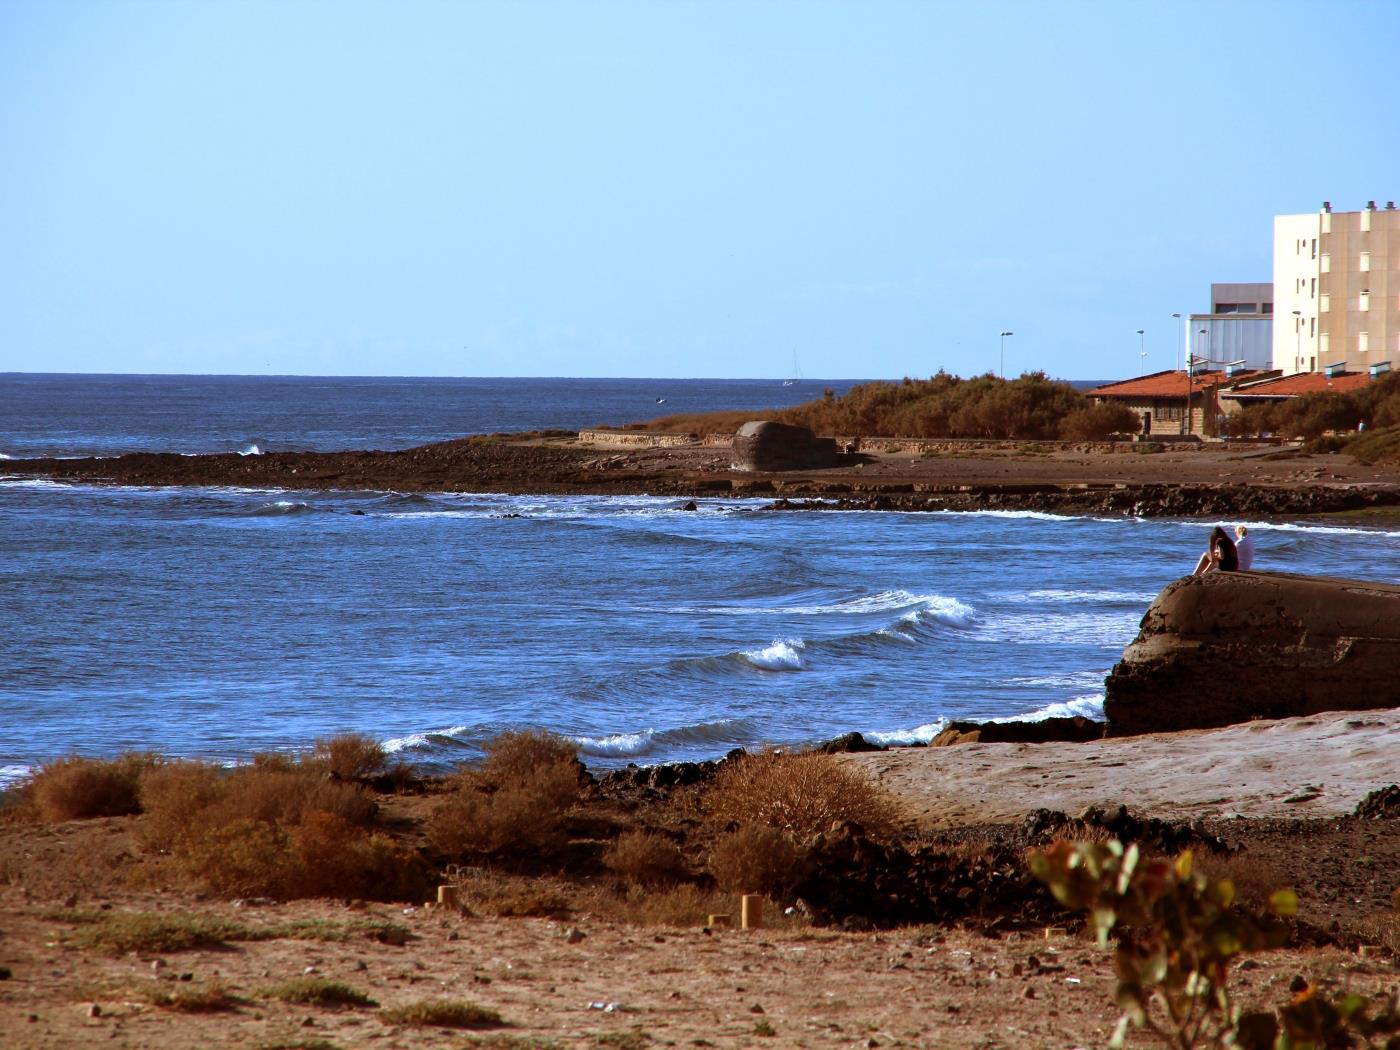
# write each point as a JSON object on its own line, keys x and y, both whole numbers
{"x": 1189, "y": 481}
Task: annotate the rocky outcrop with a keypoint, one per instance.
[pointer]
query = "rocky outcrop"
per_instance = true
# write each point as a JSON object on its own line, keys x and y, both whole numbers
{"x": 1075, "y": 729}
{"x": 764, "y": 445}
{"x": 1230, "y": 647}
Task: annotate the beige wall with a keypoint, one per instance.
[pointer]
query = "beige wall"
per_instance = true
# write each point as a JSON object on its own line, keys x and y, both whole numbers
{"x": 1362, "y": 324}
{"x": 1297, "y": 252}
{"x": 1346, "y": 314}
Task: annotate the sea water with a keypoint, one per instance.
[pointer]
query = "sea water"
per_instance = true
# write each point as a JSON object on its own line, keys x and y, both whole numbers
{"x": 218, "y": 622}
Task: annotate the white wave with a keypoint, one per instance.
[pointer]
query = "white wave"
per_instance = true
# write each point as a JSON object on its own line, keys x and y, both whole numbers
{"x": 251, "y": 450}
{"x": 1090, "y": 707}
{"x": 950, "y": 610}
{"x": 3, "y": 456}
{"x": 12, "y": 775}
{"x": 1319, "y": 530}
{"x": 1086, "y": 596}
{"x": 1072, "y": 680}
{"x": 904, "y": 737}
{"x": 616, "y": 745}
{"x": 780, "y": 656}
{"x": 417, "y": 741}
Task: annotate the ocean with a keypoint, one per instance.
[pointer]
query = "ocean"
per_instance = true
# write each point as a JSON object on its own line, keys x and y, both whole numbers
{"x": 222, "y": 622}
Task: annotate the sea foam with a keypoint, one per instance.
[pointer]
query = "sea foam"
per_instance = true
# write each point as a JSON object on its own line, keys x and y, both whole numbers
{"x": 782, "y": 655}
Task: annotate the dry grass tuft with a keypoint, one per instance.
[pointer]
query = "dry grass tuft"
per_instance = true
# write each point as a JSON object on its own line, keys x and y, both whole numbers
{"x": 442, "y": 1013}
{"x": 116, "y": 933}
{"x": 756, "y": 858}
{"x": 76, "y": 788}
{"x": 212, "y": 998}
{"x": 1255, "y": 878}
{"x": 683, "y": 905}
{"x": 316, "y": 991}
{"x": 644, "y": 858}
{"x": 350, "y": 756}
{"x": 799, "y": 794}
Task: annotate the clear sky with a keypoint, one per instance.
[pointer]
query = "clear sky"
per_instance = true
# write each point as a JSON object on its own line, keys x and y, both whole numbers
{"x": 660, "y": 188}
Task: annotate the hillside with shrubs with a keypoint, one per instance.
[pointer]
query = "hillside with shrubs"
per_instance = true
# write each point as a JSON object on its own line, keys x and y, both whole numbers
{"x": 1030, "y": 407}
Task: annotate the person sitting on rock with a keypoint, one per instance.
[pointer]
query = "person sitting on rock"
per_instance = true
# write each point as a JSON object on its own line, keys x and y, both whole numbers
{"x": 1244, "y": 547}
{"x": 1220, "y": 555}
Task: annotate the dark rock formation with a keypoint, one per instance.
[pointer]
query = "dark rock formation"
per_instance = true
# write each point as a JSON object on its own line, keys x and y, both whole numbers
{"x": 1047, "y": 730}
{"x": 1383, "y": 803}
{"x": 1229, "y": 647}
{"x": 763, "y": 445}
{"x": 850, "y": 742}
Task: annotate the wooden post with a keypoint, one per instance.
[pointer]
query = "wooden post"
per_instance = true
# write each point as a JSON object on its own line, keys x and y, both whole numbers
{"x": 447, "y": 897}
{"x": 751, "y": 912}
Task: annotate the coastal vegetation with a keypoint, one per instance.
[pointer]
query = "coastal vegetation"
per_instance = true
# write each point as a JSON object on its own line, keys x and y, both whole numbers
{"x": 1366, "y": 419}
{"x": 1030, "y": 407}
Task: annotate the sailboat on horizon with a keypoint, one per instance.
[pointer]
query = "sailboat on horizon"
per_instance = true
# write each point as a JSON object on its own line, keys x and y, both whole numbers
{"x": 796, "y": 372}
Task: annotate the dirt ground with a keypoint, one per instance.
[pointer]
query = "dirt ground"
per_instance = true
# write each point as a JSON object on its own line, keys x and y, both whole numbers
{"x": 1281, "y": 799}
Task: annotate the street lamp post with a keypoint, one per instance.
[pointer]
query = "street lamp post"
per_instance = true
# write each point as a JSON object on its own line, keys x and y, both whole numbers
{"x": 1003, "y": 352}
{"x": 1297, "y": 340}
{"x": 1142, "y": 351}
{"x": 1190, "y": 361}
{"x": 1180, "y": 337}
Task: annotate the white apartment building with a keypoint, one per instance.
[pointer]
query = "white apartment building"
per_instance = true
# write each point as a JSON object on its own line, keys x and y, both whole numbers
{"x": 1337, "y": 290}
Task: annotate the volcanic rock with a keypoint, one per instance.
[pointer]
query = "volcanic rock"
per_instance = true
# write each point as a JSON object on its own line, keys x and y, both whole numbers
{"x": 764, "y": 445}
{"x": 1048, "y": 730}
{"x": 1230, "y": 647}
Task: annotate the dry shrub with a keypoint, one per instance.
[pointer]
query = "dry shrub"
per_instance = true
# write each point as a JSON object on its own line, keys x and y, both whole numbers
{"x": 1255, "y": 878}
{"x": 644, "y": 858}
{"x": 76, "y": 788}
{"x": 174, "y": 798}
{"x": 350, "y": 756}
{"x": 488, "y": 893}
{"x": 756, "y": 858}
{"x": 274, "y": 829}
{"x": 515, "y": 804}
{"x": 800, "y": 794}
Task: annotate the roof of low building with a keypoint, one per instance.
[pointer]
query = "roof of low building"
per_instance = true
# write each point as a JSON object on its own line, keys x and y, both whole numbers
{"x": 1170, "y": 384}
{"x": 1300, "y": 383}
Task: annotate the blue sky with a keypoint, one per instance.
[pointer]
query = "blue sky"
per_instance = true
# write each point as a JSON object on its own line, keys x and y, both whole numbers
{"x": 661, "y": 189}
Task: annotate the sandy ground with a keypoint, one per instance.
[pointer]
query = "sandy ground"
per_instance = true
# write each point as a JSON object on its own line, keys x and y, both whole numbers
{"x": 1319, "y": 766}
{"x": 620, "y": 986}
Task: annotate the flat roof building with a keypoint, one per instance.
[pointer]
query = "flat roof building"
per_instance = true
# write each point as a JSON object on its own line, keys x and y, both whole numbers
{"x": 1337, "y": 290}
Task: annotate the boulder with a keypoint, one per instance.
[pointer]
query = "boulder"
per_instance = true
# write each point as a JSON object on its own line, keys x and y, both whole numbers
{"x": 1230, "y": 647}
{"x": 764, "y": 445}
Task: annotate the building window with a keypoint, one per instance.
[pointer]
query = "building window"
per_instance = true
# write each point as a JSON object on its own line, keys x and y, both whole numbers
{"x": 1363, "y": 342}
{"x": 1312, "y": 327}
{"x": 1366, "y": 221}
{"x": 1364, "y": 263}
{"x": 1324, "y": 344}
{"x": 1363, "y": 302}
{"x": 1326, "y": 266}
{"x": 1314, "y": 247}
{"x": 1312, "y": 288}
{"x": 1324, "y": 303}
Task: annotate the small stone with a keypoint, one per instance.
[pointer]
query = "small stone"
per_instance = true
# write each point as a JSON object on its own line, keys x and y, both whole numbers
{"x": 310, "y": 1022}
{"x": 1029, "y": 992}
{"x": 33, "y": 1018}
{"x": 157, "y": 965}
{"x": 71, "y": 901}
{"x": 454, "y": 936}
{"x": 187, "y": 976}
{"x": 360, "y": 966}
{"x": 1298, "y": 984}
{"x": 310, "y": 970}
{"x": 757, "y": 1008}
{"x": 94, "y": 1010}
{"x": 5, "y": 973}
{"x": 573, "y": 935}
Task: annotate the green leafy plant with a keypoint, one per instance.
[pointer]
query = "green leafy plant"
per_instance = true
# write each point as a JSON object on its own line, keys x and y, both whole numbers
{"x": 1179, "y": 933}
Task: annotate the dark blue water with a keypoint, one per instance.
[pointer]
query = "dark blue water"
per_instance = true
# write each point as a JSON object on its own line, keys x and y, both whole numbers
{"x": 218, "y": 622}
{"x": 106, "y": 415}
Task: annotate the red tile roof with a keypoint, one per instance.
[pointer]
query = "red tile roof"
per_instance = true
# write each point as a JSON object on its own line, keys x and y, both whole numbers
{"x": 1168, "y": 384}
{"x": 1301, "y": 383}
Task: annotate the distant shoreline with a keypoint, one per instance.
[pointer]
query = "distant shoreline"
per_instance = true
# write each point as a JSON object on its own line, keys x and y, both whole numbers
{"x": 1050, "y": 477}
